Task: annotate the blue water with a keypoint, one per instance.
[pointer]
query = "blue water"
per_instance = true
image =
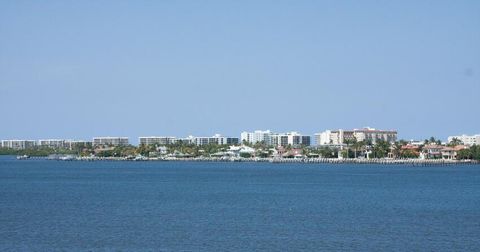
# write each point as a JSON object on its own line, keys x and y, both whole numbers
{"x": 180, "y": 206}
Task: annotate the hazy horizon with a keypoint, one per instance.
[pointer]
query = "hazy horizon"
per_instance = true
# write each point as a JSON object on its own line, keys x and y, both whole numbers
{"x": 76, "y": 70}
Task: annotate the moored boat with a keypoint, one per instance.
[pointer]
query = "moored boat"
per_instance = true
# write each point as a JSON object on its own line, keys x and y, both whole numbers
{"x": 23, "y": 157}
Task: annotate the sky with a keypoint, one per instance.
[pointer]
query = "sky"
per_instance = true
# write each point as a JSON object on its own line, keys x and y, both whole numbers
{"x": 79, "y": 69}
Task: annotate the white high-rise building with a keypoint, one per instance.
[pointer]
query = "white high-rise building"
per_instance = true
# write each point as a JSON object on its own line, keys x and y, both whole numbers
{"x": 113, "y": 141}
{"x": 276, "y": 139}
{"x": 323, "y": 138}
{"x": 257, "y": 136}
{"x": 291, "y": 138}
{"x": 216, "y": 139}
{"x": 70, "y": 144}
{"x": 61, "y": 143}
{"x": 18, "y": 144}
{"x": 467, "y": 140}
{"x": 52, "y": 143}
{"x": 157, "y": 140}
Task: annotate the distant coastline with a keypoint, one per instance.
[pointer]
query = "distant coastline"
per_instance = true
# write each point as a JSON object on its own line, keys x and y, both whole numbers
{"x": 331, "y": 146}
{"x": 380, "y": 161}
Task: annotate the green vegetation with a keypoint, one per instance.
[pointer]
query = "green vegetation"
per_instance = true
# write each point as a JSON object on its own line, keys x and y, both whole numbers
{"x": 194, "y": 150}
{"x": 381, "y": 149}
{"x": 117, "y": 151}
{"x": 409, "y": 154}
{"x": 455, "y": 141}
{"x": 432, "y": 140}
{"x": 325, "y": 152}
{"x": 471, "y": 153}
{"x": 245, "y": 155}
{"x": 145, "y": 150}
{"x": 36, "y": 152}
{"x": 353, "y": 149}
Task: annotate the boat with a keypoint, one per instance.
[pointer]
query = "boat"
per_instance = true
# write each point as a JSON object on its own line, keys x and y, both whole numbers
{"x": 67, "y": 158}
{"x": 23, "y": 157}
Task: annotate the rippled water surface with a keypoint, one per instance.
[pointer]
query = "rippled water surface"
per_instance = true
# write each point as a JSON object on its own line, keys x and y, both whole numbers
{"x": 182, "y": 206}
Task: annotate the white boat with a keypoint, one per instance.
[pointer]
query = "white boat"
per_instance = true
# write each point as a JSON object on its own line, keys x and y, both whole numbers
{"x": 67, "y": 158}
{"x": 23, "y": 157}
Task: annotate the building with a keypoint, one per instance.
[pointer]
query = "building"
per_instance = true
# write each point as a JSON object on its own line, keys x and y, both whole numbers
{"x": 111, "y": 141}
{"x": 18, "y": 144}
{"x": 157, "y": 140}
{"x": 275, "y": 139}
{"x": 231, "y": 140}
{"x": 452, "y": 152}
{"x": 373, "y": 135}
{"x": 239, "y": 150}
{"x": 323, "y": 138}
{"x": 432, "y": 151}
{"x": 416, "y": 142}
{"x": 291, "y": 138}
{"x": 340, "y": 136}
{"x": 216, "y": 139}
{"x": 204, "y": 140}
{"x": 48, "y": 143}
{"x": 185, "y": 140}
{"x": 52, "y": 143}
{"x": 466, "y": 140}
{"x": 258, "y": 136}
{"x": 71, "y": 144}
{"x": 292, "y": 153}
{"x": 62, "y": 143}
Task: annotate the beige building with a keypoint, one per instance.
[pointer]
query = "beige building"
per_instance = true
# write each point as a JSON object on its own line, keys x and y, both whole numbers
{"x": 340, "y": 136}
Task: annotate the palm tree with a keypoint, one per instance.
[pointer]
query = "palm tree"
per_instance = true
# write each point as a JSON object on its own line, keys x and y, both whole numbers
{"x": 381, "y": 148}
{"x": 361, "y": 146}
{"x": 455, "y": 141}
{"x": 397, "y": 149}
{"x": 347, "y": 142}
{"x": 355, "y": 145}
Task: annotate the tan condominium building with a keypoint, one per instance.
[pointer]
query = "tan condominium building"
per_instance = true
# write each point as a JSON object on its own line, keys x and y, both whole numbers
{"x": 340, "y": 136}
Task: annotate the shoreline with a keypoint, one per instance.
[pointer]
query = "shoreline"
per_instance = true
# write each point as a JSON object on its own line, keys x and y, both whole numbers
{"x": 413, "y": 162}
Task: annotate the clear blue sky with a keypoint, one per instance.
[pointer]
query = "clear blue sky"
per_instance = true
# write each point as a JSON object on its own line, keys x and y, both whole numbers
{"x": 78, "y": 69}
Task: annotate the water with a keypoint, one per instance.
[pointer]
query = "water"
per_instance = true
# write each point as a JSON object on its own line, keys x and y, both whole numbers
{"x": 169, "y": 206}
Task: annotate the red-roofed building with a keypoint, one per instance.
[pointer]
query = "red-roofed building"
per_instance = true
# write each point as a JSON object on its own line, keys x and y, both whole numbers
{"x": 451, "y": 152}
